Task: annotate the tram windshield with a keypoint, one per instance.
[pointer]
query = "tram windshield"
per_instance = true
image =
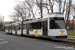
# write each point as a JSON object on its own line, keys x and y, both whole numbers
{"x": 57, "y": 24}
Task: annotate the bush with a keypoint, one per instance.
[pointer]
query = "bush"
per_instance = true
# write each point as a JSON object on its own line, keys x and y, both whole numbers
{"x": 1, "y": 28}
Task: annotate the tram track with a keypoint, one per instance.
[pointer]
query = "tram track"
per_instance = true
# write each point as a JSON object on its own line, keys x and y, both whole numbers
{"x": 62, "y": 42}
{"x": 65, "y": 42}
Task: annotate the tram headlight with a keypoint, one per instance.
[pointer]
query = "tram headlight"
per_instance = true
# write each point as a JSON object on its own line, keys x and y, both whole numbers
{"x": 65, "y": 34}
{"x": 48, "y": 31}
{"x": 59, "y": 34}
{"x": 19, "y": 30}
{"x": 40, "y": 31}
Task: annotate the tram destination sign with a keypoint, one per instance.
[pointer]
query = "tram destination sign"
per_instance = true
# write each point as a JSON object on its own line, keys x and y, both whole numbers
{"x": 58, "y": 18}
{"x": 62, "y": 30}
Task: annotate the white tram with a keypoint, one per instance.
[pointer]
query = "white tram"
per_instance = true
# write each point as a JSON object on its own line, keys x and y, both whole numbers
{"x": 51, "y": 26}
{"x": 8, "y": 28}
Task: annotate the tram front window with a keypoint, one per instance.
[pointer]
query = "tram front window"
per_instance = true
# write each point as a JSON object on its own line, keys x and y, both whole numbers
{"x": 57, "y": 24}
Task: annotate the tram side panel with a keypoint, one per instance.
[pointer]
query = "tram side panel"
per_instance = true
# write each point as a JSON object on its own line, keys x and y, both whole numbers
{"x": 24, "y": 29}
{"x": 9, "y": 29}
{"x": 13, "y": 29}
{"x": 6, "y": 29}
{"x": 35, "y": 29}
{"x": 18, "y": 28}
{"x": 28, "y": 26}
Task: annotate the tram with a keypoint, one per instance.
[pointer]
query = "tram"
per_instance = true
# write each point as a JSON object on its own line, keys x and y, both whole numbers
{"x": 51, "y": 26}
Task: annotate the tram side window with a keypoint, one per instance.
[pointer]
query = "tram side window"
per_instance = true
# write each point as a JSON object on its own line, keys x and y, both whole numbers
{"x": 52, "y": 24}
{"x": 35, "y": 25}
{"x": 31, "y": 25}
{"x": 24, "y": 26}
{"x": 14, "y": 28}
{"x": 6, "y": 27}
{"x": 9, "y": 27}
{"x": 19, "y": 28}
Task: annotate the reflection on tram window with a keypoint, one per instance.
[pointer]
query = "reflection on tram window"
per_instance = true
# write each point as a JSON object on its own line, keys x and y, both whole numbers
{"x": 57, "y": 24}
{"x": 24, "y": 26}
{"x": 35, "y": 25}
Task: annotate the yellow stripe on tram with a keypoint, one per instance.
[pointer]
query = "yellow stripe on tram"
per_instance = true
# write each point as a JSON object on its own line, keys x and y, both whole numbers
{"x": 62, "y": 33}
{"x": 36, "y": 33}
{"x": 6, "y": 31}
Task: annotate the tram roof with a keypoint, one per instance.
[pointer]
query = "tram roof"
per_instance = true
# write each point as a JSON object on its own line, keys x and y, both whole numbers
{"x": 35, "y": 20}
{"x": 8, "y": 24}
{"x": 54, "y": 15}
{"x": 16, "y": 23}
{"x": 38, "y": 20}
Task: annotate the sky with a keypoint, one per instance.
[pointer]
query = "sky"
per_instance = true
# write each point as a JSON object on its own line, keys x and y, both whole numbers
{"x": 7, "y": 7}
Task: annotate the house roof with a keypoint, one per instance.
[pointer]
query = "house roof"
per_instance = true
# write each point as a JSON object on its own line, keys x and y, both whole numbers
{"x": 6, "y": 23}
{"x": 71, "y": 21}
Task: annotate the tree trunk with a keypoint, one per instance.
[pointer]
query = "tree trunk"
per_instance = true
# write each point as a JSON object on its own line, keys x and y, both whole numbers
{"x": 41, "y": 9}
{"x": 73, "y": 23}
{"x": 68, "y": 11}
{"x": 64, "y": 6}
{"x": 51, "y": 6}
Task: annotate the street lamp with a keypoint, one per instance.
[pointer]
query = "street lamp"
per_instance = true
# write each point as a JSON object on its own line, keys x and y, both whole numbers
{"x": 3, "y": 23}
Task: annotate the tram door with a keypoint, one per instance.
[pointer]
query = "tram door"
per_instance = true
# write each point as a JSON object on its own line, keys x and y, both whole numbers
{"x": 28, "y": 26}
{"x": 45, "y": 30}
{"x": 15, "y": 29}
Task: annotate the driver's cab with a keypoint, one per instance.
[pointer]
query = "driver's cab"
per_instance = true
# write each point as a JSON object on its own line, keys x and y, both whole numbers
{"x": 56, "y": 25}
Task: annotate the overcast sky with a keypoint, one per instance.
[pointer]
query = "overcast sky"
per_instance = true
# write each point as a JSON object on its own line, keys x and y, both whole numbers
{"x": 7, "y": 7}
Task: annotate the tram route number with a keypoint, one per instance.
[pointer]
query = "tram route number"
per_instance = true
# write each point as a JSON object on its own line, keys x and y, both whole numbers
{"x": 62, "y": 30}
{"x": 62, "y": 33}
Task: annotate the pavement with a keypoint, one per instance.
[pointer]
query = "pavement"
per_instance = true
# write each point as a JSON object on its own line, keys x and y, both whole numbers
{"x": 11, "y": 42}
{"x": 71, "y": 37}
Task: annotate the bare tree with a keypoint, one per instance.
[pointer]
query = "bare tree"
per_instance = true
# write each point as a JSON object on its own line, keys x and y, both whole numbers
{"x": 51, "y": 5}
{"x": 68, "y": 13}
{"x": 19, "y": 10}
{"x": 30, "y": 9}
{"x": 73, "y": 15}
{"x": 13, "y": 16}
{"x": 64, "y": 6}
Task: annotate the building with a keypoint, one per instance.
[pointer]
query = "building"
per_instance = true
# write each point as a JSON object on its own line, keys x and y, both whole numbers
{"x": 70, "y": 23}
{"x": 6, "y": 22}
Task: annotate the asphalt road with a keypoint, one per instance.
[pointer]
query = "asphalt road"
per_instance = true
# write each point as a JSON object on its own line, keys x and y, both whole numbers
{"x": 10, "y": 42}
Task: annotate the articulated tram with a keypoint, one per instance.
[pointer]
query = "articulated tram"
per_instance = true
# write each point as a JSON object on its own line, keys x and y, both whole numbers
{"x": 51, "y": 26}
